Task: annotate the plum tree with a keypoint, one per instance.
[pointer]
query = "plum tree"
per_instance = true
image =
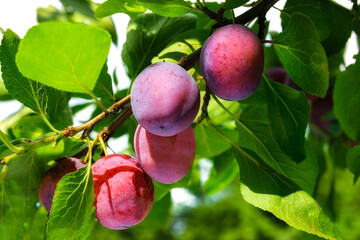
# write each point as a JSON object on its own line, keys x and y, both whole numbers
{"x": 124, "y": 193}
{"x": 165, "y": 99}
{"x": 232, "y": 61}
{"x": 165, "y": 159}
{"x": 53, "y": 176}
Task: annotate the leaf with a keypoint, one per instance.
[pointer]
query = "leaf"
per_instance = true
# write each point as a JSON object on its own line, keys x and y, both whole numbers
{"x": 81, "y": 12}
{"x": 254, "y": 135}
{"x": 354, "y": 113}
{"x": 269, "y": 191}
{"x": 353, "y": 162}
{"x": 103, "y": 87}
{"x": 222, "y": 174}
{"x": 31, "y": 94}
{"x": 167, "y": 8}
{"x": 19, "y": 194}
{"x": 140, "y": 48}
{"x": 4, "y": 94}
{"x": 288, "y": 114}
{"x": 70, "y": 61}
{"x": 209, "y": 143}
{"x": 341, "y": 26}
{"x": 347, "y": 99}
{"x": 182, "y": 45}
{"x": 110, "y": 7}
{"x": 320, "y": 20}
{"x": 231, "y": 4}
{"x": 339, "y": 20}
{"x": 303, "y": 57}
{"x": 72, "y": 211}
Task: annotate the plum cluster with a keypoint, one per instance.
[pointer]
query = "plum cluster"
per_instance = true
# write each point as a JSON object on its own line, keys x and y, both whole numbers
{"x": 124, "y": 193}
{"x": 165, "y": 100}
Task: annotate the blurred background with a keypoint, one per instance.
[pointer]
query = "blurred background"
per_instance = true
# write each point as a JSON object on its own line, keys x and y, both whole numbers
{"x": 191, "y": 214}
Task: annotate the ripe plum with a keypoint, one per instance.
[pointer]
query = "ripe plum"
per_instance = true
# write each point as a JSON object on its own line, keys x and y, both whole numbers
{"x": 165, "y": 99}
{"x": 232, "y": 62}
{"x": 124, "y": 194}
{"x": 165, "y": 159}
{"x": 53, "y": 176}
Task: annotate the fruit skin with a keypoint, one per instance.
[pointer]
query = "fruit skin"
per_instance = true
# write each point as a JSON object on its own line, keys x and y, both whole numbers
{"x": 165, "y": 99}
{"x": 53, "y": 176}
{"x": 232, "y": 62}
{"x": 165, "y": 159}
{"x": 124, "y": 193}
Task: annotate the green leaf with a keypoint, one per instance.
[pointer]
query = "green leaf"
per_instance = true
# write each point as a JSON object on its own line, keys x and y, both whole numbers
{"x": 353, "y": 161}
{"x": 303, "y": 57}
{"x": 72, "y": 211}
{"x": 31, "y": 94}
{"x": 269, "y": 191}
{"x": 65, "y": 56}
{"x": 182, "y": 45}
{"x": 140, "y": 48}
{"x": 4, "y": 94}
{"x": 288, "y": 114}
{"x": 339, "y": 20}
{"x": 167, "y": 8}
{"x": 231, "y": 4}
{"x": 254, "y": 135}
{"x": 110, "y": 7}
{"x": 320, "y": 20}
{"x": 18, "y": 195}
{"x": 103, "y": 86}
{"x": 222, "y": 174}
{"x": 82, "y": 6}
{"x": 209, "y": 142}
{"x": 347, "y": 99}
{"x": 341, "y": 26}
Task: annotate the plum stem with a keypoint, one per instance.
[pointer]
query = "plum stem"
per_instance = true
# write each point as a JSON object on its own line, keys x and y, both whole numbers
{"x": 204, "y": 111}
{"x": 9, "y": 145}
{"x": 103, "y": 145}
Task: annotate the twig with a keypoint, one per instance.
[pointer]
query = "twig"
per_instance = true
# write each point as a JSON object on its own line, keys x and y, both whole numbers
{"x": 88, "y": 126}
{"x": 110, "y": 129}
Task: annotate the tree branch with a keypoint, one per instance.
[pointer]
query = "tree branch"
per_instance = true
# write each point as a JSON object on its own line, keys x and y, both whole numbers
{"x": 88, "y": 126}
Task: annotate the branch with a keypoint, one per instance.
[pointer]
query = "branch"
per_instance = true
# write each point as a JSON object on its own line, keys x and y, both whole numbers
{"x": 88, "y": 126}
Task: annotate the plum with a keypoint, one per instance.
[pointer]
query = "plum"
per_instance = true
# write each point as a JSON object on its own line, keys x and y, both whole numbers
{"x": 53, "y": 176}
{"x": 278, "y": 74}
{"x": 232, "y": 62}
{"x": 165, "y": 159}
{"x": 165, "y": 99}
{"x": 124, "y": 193}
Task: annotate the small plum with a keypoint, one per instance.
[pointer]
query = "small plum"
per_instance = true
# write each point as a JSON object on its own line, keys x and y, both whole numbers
{"x": 165, "y": 159}
{"x": 232, "y": 62}
{"x": 124, "y": 193}
{"x": 53, "y": 176}
{"x": 165, "y": 99}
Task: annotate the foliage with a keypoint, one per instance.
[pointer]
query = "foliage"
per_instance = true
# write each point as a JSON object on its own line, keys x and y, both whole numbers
{"x": 274, "y": 171}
